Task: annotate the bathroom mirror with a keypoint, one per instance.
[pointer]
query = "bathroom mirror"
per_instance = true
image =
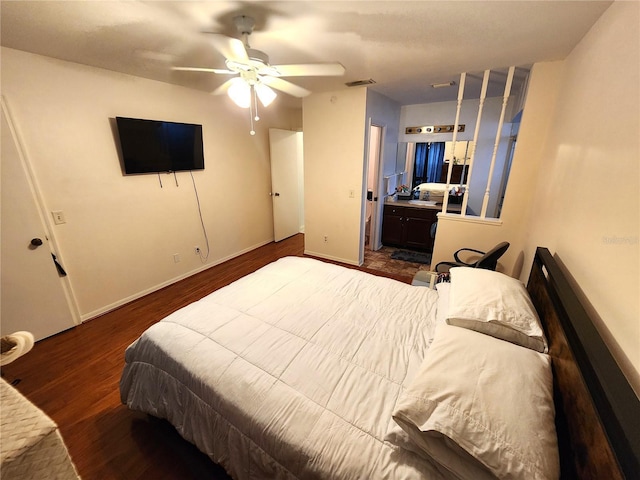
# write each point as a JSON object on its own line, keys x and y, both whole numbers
{"x": 401, "y": 157}
{"x": 431, "y": 160}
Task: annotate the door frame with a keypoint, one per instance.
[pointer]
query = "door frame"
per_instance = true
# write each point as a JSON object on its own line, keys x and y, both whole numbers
{"x": 376, "y": 213}
{"x": 378, "y": 203}
{"x": 279, "y": 154}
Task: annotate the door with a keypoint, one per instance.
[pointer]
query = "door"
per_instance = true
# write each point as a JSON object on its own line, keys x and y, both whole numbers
{"x": 33, "y": 294}
{"x": 286, "y": 182}
{"x": 393, "y": 226}
{"x": 418, "y": 233}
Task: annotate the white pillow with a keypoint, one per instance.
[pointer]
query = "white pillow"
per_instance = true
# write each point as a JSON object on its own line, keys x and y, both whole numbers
{"x": 494, "y": 304}
{"x": 488, "y": 398}
{"x": 449, "y": 459}
{"x": 442, "y": 309}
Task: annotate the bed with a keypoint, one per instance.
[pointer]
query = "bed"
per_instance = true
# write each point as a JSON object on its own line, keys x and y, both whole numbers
{"x": 305, "y": 369}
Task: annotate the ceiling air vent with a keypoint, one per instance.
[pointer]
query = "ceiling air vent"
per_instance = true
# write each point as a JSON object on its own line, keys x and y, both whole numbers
{"x": 359, "y": 83}
{"x": 443, "y": 85}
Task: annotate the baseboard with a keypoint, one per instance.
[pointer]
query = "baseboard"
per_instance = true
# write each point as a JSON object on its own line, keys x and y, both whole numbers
{"x": 329, "y": 257}
{"x": 108, "y": 308}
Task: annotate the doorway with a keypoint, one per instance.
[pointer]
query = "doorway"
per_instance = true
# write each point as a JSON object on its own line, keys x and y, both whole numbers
{"x": 372, "y": 215}
{"x": 287, "y": 182}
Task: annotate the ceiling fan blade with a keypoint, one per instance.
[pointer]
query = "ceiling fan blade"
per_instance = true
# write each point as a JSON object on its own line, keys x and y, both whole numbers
{"x": 221, "y": 71}
{"x": 222, "y": 89}
{"x": 285, "y": 86}
{"x": 230, "y": 48}
{"x": 310, "y": 70}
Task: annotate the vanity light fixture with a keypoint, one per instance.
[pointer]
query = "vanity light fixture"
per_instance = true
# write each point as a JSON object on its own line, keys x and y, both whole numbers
{"x": 434, "y": 129}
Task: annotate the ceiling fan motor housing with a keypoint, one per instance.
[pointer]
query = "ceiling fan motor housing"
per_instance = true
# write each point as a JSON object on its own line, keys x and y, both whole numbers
{"x": 244, "y": 24}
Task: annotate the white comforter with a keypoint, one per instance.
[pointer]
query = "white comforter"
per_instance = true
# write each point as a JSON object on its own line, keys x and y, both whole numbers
{"x": 290, "y": 372}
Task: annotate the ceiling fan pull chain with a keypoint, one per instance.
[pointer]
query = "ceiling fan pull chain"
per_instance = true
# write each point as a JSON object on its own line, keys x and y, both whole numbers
{"x": 255, "y": 102}
{"x": 251, "y": 102}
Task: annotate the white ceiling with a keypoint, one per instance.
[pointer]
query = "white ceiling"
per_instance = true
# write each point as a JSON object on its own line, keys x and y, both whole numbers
{"x": 403, "y": 45}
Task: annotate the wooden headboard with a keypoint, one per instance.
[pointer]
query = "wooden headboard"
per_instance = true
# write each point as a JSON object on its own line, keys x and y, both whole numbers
{"x": 597, "y": 411}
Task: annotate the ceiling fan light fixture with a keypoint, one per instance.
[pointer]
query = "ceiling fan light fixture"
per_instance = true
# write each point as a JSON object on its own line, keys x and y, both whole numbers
{"x": 240, "y": 92}
{"x": 265, "y": 94}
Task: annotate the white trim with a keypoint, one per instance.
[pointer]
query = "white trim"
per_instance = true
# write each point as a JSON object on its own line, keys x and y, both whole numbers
{"x": 454, "y": 139}
{"x": 483, "y": 96}
{"x": 329, "y": 257}
{"x": 496, "y": 145}
{"x": 375, "y": 234}
{"x": 496, "y": 222}
{"x": 108, "y": 308}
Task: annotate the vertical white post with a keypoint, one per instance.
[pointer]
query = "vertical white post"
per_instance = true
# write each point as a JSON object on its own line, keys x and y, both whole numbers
{"x": 445, "y": 200}
{"x": 464, "y": 164}
{"x": 483, "y": 95}
{"x": 505, "y": 99}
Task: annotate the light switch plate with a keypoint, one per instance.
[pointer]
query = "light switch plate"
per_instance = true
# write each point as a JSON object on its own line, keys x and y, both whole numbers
{"x": 58, "y": 217}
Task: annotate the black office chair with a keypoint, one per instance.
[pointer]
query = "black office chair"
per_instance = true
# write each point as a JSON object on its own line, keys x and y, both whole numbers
{"x": 488, "y": 260}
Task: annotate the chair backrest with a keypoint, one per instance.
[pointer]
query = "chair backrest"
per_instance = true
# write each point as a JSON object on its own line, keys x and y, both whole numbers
{"x": 489, "y": 260}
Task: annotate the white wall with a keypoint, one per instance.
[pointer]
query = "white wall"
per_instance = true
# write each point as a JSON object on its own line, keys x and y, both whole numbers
{"x": 122, "y": 231}
{"x": 587, "y": 205}
{"x": 334, "y": 144}
{"x": 335, "y": 139}
{"x": 383, "y": 111}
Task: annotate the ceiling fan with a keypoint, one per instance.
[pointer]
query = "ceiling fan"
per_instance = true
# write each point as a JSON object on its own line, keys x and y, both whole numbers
{"x": 253, "y": 75}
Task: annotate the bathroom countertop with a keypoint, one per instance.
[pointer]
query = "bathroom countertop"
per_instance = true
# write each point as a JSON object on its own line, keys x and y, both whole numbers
{"x": 451, "y": 207}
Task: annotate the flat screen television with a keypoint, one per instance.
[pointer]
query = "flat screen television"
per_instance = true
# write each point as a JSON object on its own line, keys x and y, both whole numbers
{"x": 151, "y": 146}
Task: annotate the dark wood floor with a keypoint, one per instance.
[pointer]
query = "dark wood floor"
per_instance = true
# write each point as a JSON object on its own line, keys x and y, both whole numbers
{"x": 73, "y": 377}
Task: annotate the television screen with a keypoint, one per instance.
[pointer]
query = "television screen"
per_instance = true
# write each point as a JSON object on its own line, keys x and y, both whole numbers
{"x": 150, "y": 146}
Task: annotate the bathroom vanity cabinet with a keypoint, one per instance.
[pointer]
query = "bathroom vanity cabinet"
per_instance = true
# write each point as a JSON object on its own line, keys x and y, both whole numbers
{"x": 407, "y": 226}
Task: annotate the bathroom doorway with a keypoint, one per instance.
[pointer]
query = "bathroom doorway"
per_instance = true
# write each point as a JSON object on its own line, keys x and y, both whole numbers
{"x": 372, "y": 218}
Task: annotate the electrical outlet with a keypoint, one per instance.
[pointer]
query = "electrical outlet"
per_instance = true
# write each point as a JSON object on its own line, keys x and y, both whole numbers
{"x": 326, "y": 239}
{"x": 197, "y": 250}
{"x": 176, "y": 258}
